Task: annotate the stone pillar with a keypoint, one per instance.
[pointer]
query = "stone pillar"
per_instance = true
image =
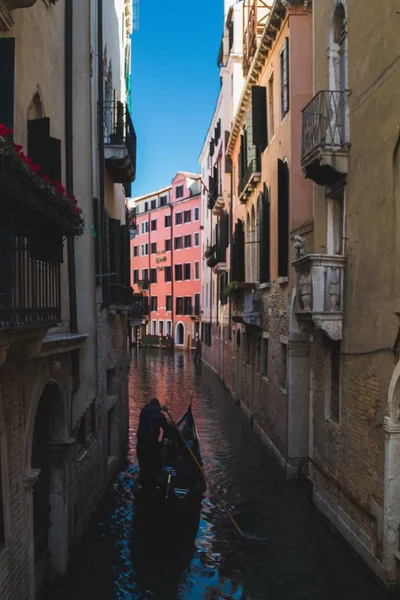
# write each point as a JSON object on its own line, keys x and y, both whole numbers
{"x": 391, "y": 503}
{"x": 59, "y": 453}
{"x": 29, "y": 482}
{"x": 298, "y": 398}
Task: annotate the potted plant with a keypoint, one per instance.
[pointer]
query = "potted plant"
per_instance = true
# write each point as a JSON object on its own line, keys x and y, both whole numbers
{"x": 231, "y": 289}
{"x": 209, "y": 251}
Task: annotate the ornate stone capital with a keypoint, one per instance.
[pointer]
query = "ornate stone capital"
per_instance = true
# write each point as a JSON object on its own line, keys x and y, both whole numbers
{"x": 60, "y": 451}
{"x": 6, "y": 6}
{"x": 392, "y": 426}
{"x": 30, "y": 479}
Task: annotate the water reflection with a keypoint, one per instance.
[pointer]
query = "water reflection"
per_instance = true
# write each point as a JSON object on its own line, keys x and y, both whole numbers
{"x": 202, "y": 558}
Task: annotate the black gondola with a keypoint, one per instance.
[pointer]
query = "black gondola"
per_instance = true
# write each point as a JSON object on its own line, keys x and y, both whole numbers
{"x": 180, "y": 483}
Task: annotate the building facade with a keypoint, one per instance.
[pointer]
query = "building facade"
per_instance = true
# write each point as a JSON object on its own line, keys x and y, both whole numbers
{"x": 216, "y": 201}
{"x": 165, "y": 262}
{"x": 63, "y": 320}
{"x": 347, "y": 287}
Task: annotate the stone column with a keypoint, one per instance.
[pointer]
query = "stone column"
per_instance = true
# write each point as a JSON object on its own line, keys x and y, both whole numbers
{"x": 59, "y": 453}
{"x": 391, "y": 503}
{"x": 29, "y": 482}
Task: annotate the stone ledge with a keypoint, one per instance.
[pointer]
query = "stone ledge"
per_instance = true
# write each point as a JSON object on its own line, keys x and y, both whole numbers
{"x": 64, "y": 342}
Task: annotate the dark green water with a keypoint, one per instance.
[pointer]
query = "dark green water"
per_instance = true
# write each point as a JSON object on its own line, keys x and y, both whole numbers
{"x": 302, "y": 560}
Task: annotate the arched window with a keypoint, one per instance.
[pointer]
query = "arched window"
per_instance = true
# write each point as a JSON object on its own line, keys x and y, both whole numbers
{"x": 248, "y": 249}
{"x": 264, "y": 235}
{"x": 253, "y": 246}
{"x": 338, "y": 69}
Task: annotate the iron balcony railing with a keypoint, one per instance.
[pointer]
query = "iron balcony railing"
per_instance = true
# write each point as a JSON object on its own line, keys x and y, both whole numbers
{"x": 30, "y": 282}
{"x": 254, "y": 166}
{"x": 325, "y": 122}
{"x": 121, "y": 295}
{"x": 119, "y": 129}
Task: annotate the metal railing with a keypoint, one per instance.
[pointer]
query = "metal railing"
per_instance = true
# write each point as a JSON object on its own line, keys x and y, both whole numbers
{"x": 325, "y": 122}
{"x": 30, "y": 285}
{"x": 254, "y": 166}
{"x": 118, "y": 128}
{"x": 121, "y": 295}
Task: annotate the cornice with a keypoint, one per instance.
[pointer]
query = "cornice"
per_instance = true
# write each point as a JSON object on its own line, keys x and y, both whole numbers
{"x": 6, "y": 6}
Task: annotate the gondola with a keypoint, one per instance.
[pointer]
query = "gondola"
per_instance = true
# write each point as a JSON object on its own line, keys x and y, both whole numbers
{"x": 180, "y": 484}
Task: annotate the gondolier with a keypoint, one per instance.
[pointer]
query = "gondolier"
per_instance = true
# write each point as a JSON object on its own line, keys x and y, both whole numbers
{"x": 148, "y": 449}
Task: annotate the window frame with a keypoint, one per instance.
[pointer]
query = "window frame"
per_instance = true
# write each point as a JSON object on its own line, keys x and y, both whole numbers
{"x": 179, "y": 192}
{"x": 285, "y": 80}
{"x": 185, "y": 268}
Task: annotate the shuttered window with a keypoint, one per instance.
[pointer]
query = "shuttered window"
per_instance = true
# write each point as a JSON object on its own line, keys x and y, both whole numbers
{"x": 7, "y": 65}
{"x": 264, "y": 237}
{"x": 259, "y": 117}
{"x": 285, "y": 79}
{"x": 238, "y": 253}
{"x": 283, "y": 219}
{"x": 43, "y": 149}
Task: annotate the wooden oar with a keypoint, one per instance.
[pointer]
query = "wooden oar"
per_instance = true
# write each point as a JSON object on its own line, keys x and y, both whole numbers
{"x": 222, "y": 503}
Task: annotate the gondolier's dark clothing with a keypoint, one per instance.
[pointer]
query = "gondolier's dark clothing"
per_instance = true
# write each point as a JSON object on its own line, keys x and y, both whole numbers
{"x": 148, "y": 447}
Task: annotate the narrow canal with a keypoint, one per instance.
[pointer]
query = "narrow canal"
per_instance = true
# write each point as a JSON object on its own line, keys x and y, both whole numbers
{"x": 301, "y": 560}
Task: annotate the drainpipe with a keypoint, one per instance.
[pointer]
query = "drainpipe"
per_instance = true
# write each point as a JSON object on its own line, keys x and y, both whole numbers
{"x": 149, "y": 263}
{"x": 73, "y": 313}
{"x": 100, "y": 93}
{"x": 172, "y": 278}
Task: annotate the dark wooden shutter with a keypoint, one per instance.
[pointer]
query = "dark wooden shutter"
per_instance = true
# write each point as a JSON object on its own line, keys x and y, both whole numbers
{"x": 97, "y": 240}
{"x": 7, "y": 69}
{"x": 115, "y": 250}
{"x": 38, "y": 142}
{"x": 238, "y": 253}
{"x": 54, "y": 159}
{"x": 265, "y": 238}
{"x": 283, "y": 219}
{"x": 285, "y": 78}
{"x": 259, "y": 116}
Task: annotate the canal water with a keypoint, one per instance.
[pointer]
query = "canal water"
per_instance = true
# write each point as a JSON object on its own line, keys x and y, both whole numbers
{"x": 301, "y": 559}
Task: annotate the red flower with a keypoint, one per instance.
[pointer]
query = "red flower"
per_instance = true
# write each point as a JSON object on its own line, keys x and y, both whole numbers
{"x": 74, "y": 200}
{"x": 35, "y": 168}
{"x": 59, "y": 187}
{"x": 5, "y": 131}
{"x": 46, "y": 178}
{"x": 17, "y": 148}
{"x": 76, "y": 210}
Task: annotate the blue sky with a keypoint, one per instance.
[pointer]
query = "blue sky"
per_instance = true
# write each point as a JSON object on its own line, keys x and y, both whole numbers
{"x": 175, "y": 84}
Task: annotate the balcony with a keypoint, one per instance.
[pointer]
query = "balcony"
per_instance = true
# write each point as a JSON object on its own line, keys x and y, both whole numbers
{"x": 249, "y": 180}
{"x": 119, "y": 142}
{"x": 319, "y": 293}
{"x": 325, "y": 144}
{"x": 30, "y": 282}
{"x": 220, "y": 261}
{"x": 246, "y": 305}
{"x": 219, "y": 206}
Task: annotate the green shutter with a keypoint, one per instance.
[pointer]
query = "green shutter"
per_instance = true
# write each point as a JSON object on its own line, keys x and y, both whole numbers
{"x": 7, "y": 69}
{"x": 38, "y": 142}
{"x": 259, "y": 116}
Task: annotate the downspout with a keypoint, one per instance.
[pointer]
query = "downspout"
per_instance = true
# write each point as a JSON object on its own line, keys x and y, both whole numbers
{"x": 100, "y": 92}
{"x": 149, "y": 264}
{"x": 172, "y": 279}
{"x": 69, "y": 176}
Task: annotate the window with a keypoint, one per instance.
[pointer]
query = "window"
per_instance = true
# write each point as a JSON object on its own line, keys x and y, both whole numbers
{"x": 197, "y": 270}
{"x": 153, "y": 275}
{"x": 188, "y": 305}
{"x": 153, "y": 327}
{"x": 197, "y": 304}
{"x": 264, "y": 357}
{"x": 179, "y": 306}
{"x": 187, "y": 217}
{"x": 168, "y": 245}
{"x": 178, "y": 243}
{"x": 153, "y": 303}
{"x": 179, "y": 191}
{"x": 264, "y": 236}
{"x": 135, "y": 250}
{"x": 161, "y": 327}
{"x": 187, "y": 271}
{"x": 145, "y": 249}
{"x": 271, "y": 106}
{"x": 154, "y": 225}
{"x": 285, "y": 79}
{"x": 283, "y": 219}
{"x": 283, "y": 367}
{"x": 146, "y": 207}
{"x": 2, "y": 532}
{"x": 197, "y": 239}
{"x": 178, "y": 219}
{"x": 135, "y": 276}
{"x": 188, "y": 241}
{"x": 168, "y": 274}
{"x": 153, "y": 204}
{"x": 167, "y": 220}
{"x": 145, "y": 227}
{"x": 163, "y": 200}
{"x": 196, "y": 214}
{"x": 169, "y": 326}
{"x": 153, "y": 248}
{"x": 178, "y": 272}
{"x": 168, "y": 303}
{"x": 144, "y": 275}
{"x": 333, "y": 369}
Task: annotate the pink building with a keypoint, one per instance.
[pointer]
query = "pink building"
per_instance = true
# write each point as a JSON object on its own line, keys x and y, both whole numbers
{"x": 165, "y": 259}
